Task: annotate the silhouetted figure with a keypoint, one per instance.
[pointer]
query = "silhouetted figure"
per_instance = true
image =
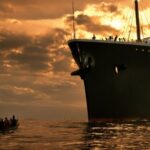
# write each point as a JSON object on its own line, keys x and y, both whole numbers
{"x": 6, "y": 123}
{"x": 1, "y": 124}
{"x": 13, "y": 121}
{"x": 110, "y": 38}
{"x": 116, "y": 37}
{"x": 94, "y": 37}
{"x": 120, "y": 39}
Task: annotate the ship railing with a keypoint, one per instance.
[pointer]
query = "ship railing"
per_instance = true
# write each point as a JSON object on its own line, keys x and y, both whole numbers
{"x": 114, "y": 39}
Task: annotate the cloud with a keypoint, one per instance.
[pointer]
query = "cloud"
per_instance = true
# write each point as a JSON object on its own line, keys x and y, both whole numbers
{"x": 37, "y": 9}
{"x": 63, "y": 89}
{"x": 16, "y": 95}
{"x": 6, "y": 7}
{"x": 32, "y": 53}
{"x": 107, "y": 7}
{"x": 9, "y": 40}
{"x": 36, "y": 69}
{"x": 93, "y": 25}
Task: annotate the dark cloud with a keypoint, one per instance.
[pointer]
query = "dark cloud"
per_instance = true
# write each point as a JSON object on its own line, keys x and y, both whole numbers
{"x": 5, "y": 7}
{"x": 37, "y": 9}
{"x": 92, "y": 24}
{"x": 83, "y": 19}
{"x": 62, "y": 65}
{"x": 9, "y": 94}
{"x": 56, "y": 37}
{"x": 30, "y": 58}
{"x": 108, "y": 7}
{"x": 33, "y": 53}
{"x": 113, "y": 8}
{"x": 9, "y": 40}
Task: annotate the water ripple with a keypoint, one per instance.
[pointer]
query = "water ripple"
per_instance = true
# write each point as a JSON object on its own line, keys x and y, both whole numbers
{"x": 47, "y": 135}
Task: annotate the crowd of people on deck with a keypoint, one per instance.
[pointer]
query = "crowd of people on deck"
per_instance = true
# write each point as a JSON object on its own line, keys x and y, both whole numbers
{"x": 111, "y": 38}
{"x": 8, "y": 123}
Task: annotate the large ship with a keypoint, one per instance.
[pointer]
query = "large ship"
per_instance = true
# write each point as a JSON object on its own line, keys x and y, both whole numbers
{"x": 116, "y": 75}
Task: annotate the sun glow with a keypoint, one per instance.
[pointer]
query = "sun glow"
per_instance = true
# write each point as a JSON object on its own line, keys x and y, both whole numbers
{"x": 91, "y": 10}
{"x": 117, "y": 24}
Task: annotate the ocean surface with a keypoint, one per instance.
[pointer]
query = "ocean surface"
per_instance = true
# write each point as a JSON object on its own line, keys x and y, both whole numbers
{"x": 67, "y": 135}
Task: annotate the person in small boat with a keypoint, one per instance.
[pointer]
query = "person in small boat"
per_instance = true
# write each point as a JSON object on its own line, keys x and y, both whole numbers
{"x": 6, "y": 123}
{"x": 13, "y": 121}
{"x": 1, "y": 123}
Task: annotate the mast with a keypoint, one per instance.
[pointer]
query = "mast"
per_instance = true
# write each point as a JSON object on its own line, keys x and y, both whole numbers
{"x": 74, "y": 30}
{"x": 137, "y": 21}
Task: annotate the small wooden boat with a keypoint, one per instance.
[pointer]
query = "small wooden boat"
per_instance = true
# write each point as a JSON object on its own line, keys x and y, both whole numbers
{"x": 9, "y": 129}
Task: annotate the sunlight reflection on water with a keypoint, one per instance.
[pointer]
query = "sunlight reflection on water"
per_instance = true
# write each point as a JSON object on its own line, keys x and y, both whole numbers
{"x": 47, "y": 135}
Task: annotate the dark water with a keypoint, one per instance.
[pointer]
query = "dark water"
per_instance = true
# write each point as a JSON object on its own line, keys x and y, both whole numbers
{"x": 47, "y": 135}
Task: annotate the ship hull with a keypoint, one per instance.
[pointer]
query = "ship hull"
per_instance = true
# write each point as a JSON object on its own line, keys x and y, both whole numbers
{"x": 117, "y": 84}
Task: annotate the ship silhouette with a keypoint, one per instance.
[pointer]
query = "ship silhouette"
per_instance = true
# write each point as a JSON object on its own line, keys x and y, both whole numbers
{"x": 116, "y": 75}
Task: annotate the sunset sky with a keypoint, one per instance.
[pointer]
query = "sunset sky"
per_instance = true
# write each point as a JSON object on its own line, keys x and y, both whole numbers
{"x": 35, "y": 61}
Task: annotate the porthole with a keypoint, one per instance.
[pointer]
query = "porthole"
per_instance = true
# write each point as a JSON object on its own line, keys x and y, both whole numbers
{"x": 116, "y": 70}
{"x": 119, "y": 68}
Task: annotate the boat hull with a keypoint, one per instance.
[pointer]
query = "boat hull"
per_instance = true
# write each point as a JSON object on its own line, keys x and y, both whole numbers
{"x": 117, "y": 84}
{"x": 9, "y": 129}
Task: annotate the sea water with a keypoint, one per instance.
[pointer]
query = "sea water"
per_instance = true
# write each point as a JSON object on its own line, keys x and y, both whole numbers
{"x": 67, "y": 135}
